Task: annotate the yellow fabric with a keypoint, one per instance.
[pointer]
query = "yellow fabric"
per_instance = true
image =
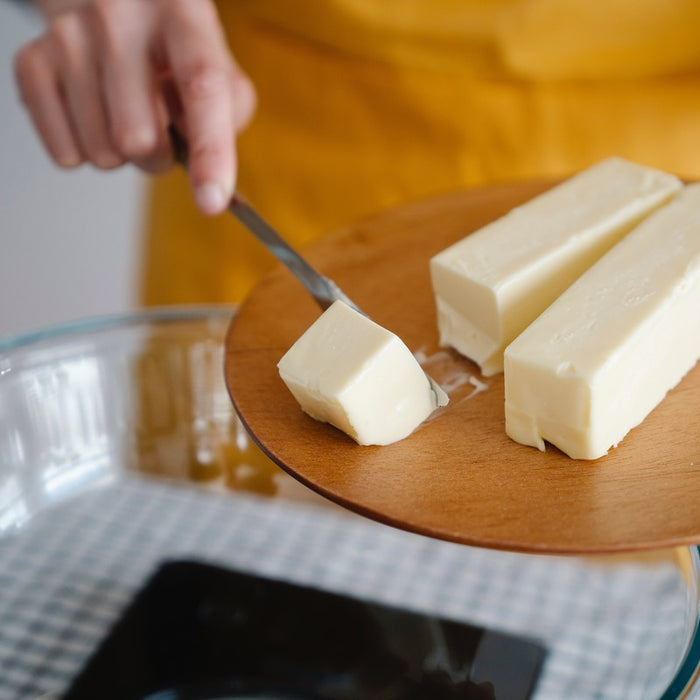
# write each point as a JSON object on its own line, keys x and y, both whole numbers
{"x": 366, "y": 104}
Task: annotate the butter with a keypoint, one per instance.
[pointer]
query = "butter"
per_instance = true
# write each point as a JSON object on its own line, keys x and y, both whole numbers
{"x": 492, "y": 284}
{"x": 349, "y": 371}
{"x": 607, "y": 351}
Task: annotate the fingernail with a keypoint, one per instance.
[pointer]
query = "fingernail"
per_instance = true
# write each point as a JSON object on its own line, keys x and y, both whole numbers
{"x": 139, "y": 142}
{"x": 210, "y": 198}
{"x": 107, "y": 160}
{"x": 69, "y": 159}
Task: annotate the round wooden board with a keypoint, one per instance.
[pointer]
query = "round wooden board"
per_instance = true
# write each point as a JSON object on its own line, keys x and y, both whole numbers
{"x": 458, "y": 477}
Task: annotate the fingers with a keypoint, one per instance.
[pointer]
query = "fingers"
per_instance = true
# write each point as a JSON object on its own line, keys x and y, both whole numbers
{"x": 39, "y": 89}
{"x": 137, "y": 115}
{"x": 70, "y": 45}
{"x": 203, "y": 72}
{"x": 59, "y": 81}
{"x": 89, "y": 87}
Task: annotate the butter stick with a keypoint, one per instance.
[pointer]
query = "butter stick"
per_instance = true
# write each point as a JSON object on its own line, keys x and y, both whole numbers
{"x": 607, "y": 351}
{"x": 492, "y": 284}
{"x": 351, "y": 372}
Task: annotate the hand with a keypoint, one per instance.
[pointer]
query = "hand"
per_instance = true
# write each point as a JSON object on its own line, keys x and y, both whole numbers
{"x": 107, "y": 77}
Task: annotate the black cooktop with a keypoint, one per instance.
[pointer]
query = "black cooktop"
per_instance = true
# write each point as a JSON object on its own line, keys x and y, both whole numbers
{"x": 196, "y": 631}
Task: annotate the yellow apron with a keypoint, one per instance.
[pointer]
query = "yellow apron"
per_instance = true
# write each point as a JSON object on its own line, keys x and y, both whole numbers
{"x": 366, "y": 104}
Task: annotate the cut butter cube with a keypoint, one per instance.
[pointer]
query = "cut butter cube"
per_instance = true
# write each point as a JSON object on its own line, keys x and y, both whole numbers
{"x": 492, "y": 284}
{"x": 607, "y": 351}
{"x": 349, "y": 371}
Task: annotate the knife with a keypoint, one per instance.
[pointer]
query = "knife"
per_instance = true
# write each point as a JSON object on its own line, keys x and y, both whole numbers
{"x": 324, "y": 290}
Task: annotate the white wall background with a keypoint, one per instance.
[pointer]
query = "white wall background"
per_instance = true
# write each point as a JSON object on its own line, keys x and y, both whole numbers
{"x": 69, "y": 241}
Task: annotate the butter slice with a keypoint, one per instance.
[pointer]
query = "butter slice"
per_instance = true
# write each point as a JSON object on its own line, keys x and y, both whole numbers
{"x": 349, "y": 371}
{"x": 605, "y": 353}
{"x": 492, "y": 284}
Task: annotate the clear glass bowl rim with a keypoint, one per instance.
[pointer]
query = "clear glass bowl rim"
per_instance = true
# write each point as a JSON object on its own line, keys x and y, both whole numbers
{"x": 155, "y": 314}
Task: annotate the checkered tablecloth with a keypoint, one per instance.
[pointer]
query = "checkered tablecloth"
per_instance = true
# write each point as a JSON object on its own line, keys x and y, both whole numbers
{"x": 612, "y": 631}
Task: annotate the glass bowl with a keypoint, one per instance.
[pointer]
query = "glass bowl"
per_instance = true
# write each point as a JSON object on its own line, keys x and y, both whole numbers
{"x": 119, "y": 448}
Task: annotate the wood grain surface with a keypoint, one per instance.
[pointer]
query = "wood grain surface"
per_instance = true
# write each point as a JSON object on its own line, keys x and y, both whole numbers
{"x": 458, "y": 477}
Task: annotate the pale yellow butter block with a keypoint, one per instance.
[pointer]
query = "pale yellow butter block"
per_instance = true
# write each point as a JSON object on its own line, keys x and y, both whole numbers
{"x": 608, "y": 350}
{"x": 349, "y": 371}
{"x": 490, "y": 285}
